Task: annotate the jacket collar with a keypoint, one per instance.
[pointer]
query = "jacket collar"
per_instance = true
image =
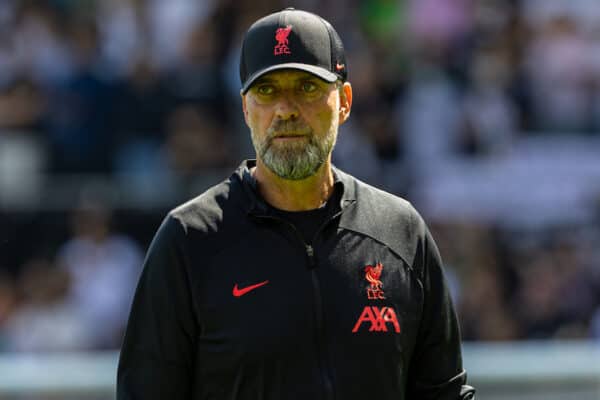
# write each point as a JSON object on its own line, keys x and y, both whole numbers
{"x": 257, "y": 205}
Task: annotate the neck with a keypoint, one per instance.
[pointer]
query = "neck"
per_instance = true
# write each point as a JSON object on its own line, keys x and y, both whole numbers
{"x": 295, "y": 195}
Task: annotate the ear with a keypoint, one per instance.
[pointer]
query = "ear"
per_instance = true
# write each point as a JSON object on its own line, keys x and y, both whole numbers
{"x": 244, "y": 107}
{"x": 345, "y": 101}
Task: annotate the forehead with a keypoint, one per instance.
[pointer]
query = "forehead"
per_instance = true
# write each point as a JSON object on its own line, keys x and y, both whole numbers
{"x": 288, "y": 76}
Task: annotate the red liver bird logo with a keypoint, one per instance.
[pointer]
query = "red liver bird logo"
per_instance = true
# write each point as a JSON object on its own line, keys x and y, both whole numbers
{"x": 372, "y": 274}
{"x": 281, "y": 35}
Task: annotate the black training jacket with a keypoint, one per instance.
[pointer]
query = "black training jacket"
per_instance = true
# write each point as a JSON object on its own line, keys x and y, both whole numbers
{"x": 232, "y": 304}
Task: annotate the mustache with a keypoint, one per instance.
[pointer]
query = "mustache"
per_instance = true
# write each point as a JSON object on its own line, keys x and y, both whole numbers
{"x": 288, "y": 128}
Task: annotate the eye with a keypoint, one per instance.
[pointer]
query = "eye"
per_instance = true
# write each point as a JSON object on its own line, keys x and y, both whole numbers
{"x": 265, "y": 89}
{"x": 309, "y": 87}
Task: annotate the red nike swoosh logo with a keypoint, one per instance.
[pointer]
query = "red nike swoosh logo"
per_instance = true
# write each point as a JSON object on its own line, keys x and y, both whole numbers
{"x": 240, "y": 292}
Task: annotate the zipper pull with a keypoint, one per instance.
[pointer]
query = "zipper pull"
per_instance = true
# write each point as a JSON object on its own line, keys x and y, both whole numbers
{"x": 310, "y": 252}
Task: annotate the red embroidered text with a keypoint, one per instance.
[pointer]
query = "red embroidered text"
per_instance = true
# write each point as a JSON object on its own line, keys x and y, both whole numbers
{"x": 372, "y": 274}
{"x": 378, "y": 318}
{"x": 281, "y": 35}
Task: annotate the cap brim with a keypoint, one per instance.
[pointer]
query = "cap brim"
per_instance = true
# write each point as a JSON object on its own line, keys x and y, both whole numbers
{"x": 320, "y": 72}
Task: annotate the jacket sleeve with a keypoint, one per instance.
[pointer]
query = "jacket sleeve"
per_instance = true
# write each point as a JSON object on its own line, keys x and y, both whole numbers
{"x": 436, "y": 371}
{"x": 157, "y": 356}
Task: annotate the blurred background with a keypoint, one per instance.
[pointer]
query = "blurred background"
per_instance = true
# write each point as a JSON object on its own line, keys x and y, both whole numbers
{"x": 485, "y": 114}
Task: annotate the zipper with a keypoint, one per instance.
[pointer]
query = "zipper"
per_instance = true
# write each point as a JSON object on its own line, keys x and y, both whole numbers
{"x": 321, "y": 338}
{"x": 323, "y": 358}
{"x": 310, "y": 252}
{"x": 308, "y": 248}
{"x": 326, "y": 374}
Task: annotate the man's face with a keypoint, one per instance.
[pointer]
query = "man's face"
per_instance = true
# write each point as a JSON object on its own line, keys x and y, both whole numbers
{"x": 293, "y": 117}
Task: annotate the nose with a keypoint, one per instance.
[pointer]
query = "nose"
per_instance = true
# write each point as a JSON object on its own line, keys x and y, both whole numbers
{"x": 286, "y": 108}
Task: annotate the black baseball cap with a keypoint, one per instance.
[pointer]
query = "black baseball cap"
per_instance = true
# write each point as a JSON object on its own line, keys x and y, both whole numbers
{"x": 292, "y": 39}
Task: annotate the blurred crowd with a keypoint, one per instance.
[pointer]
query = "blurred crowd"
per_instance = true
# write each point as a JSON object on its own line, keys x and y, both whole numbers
{"x": 147, "y": 92}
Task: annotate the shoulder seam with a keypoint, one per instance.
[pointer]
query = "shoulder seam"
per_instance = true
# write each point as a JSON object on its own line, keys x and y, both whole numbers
{"x": 382, "y": 243}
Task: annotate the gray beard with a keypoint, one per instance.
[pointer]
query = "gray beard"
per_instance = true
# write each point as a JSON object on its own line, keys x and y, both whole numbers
{"x": 294, "y": 161}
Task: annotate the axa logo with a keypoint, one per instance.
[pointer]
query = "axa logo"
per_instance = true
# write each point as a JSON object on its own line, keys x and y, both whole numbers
{"x": 378, "y": 318}
{"x": 281, "y": 35}
{"x": 372, "y": 275}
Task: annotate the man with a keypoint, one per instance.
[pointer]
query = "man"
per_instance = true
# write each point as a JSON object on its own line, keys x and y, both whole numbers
{"x": 292, "y": 279}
